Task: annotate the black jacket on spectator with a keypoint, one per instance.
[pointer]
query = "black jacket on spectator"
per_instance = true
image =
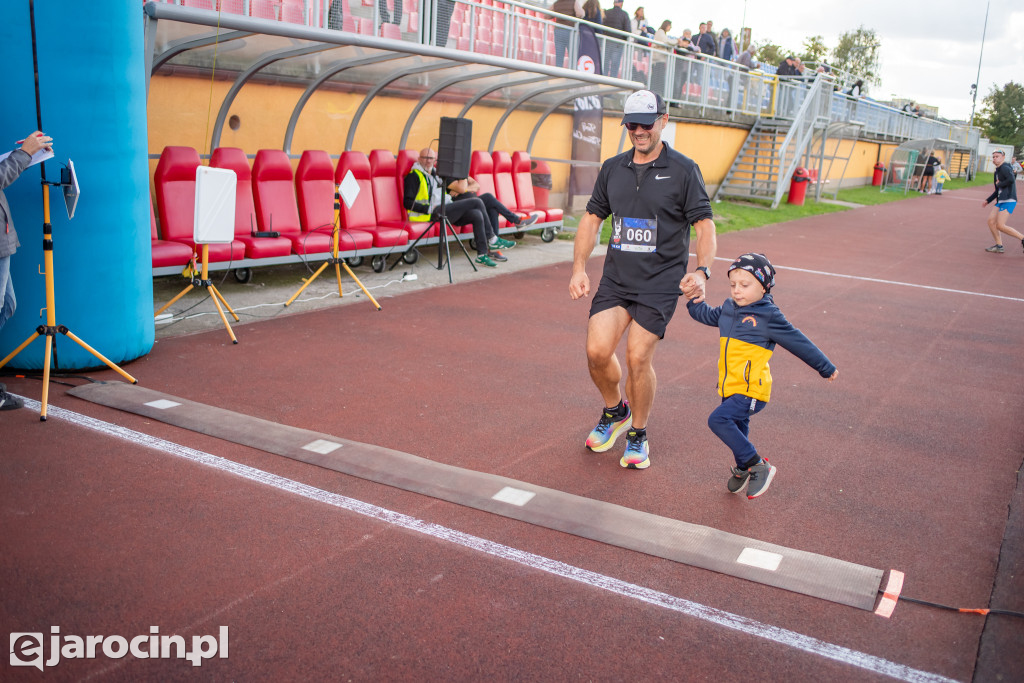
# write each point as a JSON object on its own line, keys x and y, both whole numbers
{"x": 616, "y": 17}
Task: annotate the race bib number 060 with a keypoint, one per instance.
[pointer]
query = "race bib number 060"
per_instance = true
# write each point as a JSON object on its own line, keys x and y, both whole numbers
{"x": 634, "y": 234}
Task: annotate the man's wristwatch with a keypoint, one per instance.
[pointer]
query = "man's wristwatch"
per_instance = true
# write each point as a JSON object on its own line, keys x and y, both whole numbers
{"x": 707, "y": 273}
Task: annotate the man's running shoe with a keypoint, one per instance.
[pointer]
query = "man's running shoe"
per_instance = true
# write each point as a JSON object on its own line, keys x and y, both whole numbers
{"x": 738, "y": 481}
{"x": 528, "y": 221}
{"x": 760, "y": 478}
{"x": 502, "y": 243}
{"x": 996, "y": 249}
{"x": 638, "y": 455}
{"x": 486, "y": 260}
{"x": 497, "y": 255}
{"x": 608, "y": 429}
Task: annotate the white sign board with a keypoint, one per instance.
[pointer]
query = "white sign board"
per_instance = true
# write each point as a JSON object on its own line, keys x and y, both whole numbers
{"x": 215, "y": 206}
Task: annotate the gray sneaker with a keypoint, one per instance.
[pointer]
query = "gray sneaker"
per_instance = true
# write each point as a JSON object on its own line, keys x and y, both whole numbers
{"x": 996, "y": 249}
{"x": 760, "y": 478}
{"x": 738, "y": 481}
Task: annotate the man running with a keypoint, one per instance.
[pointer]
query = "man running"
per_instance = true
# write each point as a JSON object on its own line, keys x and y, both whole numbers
{"x": 1005, "y": 197}
{"x": 654, "y": 194}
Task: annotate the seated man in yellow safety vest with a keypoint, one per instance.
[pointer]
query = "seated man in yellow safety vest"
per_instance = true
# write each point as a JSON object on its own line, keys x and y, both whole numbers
{"x": 422, "y": 199}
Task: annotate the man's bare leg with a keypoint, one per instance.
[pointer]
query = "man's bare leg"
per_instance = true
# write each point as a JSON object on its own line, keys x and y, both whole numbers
{"x": 604, "y": 332}
{"x": 641, "y": 381}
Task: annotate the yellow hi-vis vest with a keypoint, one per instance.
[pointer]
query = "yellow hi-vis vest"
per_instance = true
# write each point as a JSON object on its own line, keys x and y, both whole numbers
{"x": 422, "y": 195}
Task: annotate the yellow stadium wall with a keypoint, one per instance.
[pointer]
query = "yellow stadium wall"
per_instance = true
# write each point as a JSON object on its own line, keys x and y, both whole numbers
{"x": 183, "y": 109}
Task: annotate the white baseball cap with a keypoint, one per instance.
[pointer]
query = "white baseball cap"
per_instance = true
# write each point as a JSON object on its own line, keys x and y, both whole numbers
{"x": 644, "y": 107}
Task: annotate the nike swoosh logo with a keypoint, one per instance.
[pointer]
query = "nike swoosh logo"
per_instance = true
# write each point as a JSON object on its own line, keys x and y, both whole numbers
{"x": 662, "y": 177}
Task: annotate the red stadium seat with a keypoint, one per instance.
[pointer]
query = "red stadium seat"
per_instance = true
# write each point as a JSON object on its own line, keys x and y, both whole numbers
{"x": 481, "y": 168}
{"x": 245, "y": 211}
{"x": 273, "y": 192}
{"x": 522, "y": 180}
{"x": 387, "y": 195}
{"x": 314, "y": 183}
{"x": 504, "y": 189}
{"x": 362, "y": 215}
{"x": 166, "y": 253}
{"x": 294, "y": 11}
{"x": 390, "y": 31}
{"x": 264, "y": 9}
{"x": 232, "y": 6}
{"x": 175, "y": 181}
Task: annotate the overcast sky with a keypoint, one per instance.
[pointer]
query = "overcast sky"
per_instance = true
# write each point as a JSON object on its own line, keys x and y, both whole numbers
{"x": 929, "y": 52}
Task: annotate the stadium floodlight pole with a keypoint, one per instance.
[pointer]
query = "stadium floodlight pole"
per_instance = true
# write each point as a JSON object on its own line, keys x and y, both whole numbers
{"x": 977, "y": 79}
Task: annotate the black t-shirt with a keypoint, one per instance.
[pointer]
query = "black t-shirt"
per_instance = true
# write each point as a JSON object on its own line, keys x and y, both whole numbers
{"x": 651, "y": 219}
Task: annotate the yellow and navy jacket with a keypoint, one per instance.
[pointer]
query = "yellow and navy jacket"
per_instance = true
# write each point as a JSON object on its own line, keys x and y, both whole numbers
{"x": 748, "y": 336}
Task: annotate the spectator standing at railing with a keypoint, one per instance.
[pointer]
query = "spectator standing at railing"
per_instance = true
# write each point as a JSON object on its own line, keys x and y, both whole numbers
{"x": 659, "y": 60}
{"x": 640, "y": 25}
{"x": 856, "y": 90}
{"x": 445, "y": 8}
{"x": 615, "y": 17}
{"x": 336, "y": 15}
{"x": 711, "y": 32}
{"x": 387, "y": 17}
{"x": 563, "y": 32}
{"x": 592, "y": 12}
{"x": 726, "y": 47}
{"x": 787, "y": 67}
{"x": 746, "y": 58}
{"x": 704, "y": 41}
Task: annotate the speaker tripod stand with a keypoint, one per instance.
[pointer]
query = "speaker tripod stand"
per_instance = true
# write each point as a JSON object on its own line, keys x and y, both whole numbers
{"x": 445, "y": 232}
{"x": 51, "y": 328}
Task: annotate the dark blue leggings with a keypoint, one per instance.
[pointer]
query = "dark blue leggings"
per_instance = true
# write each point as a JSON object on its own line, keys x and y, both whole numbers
{"x": 730, "y": 422}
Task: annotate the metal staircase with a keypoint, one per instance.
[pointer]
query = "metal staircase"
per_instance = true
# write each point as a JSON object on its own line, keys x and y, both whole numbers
{"x": 754, "y": 173}
{"x": 774, "y": 147}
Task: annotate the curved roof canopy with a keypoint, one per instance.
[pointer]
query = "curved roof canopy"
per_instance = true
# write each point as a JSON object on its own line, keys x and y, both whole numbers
{"x": 253, "y": 49}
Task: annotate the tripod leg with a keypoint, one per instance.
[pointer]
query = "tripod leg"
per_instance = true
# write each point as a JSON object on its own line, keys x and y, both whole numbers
{"x": 365, "y": 291}
{"x": 168, "y": 304}
{"x": 15, "y": 352}
{"x": 224, "y": 318}
{"x": 337, "y": 273}
{"x": 100, "y": 356}
{"x": 466, "y": 252}
{"x": 412, "y": 247}
{"x": 46, "y": 378}
{"x": 307, "y": 283}
{"x": 216, "y": 292}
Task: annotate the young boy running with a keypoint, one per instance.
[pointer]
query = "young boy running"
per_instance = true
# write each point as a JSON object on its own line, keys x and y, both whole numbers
{"x": 751, "y": 325}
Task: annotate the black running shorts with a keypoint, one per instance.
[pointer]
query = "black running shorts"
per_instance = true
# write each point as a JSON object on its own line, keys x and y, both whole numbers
{"x": 652, "y": 311}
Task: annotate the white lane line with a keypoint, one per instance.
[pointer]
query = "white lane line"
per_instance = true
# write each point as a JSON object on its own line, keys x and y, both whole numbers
{"x": 883, "y": 282}
{"x": 712, "y": 615}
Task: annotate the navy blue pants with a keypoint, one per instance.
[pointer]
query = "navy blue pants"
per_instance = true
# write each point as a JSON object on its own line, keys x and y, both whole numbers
{"x": 730, "y": 422}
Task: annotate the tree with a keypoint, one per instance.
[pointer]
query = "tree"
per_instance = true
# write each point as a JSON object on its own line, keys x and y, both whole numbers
{"x": 815, "y": 49}
{"x": 1001, "y": 118}
{"x": 770, "y": 53}
{"x": 858, "y": 52}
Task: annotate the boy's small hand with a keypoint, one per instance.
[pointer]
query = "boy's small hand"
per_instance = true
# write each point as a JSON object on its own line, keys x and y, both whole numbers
{"x": 834, "y": 375}
{"x": 692, "y": 287}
